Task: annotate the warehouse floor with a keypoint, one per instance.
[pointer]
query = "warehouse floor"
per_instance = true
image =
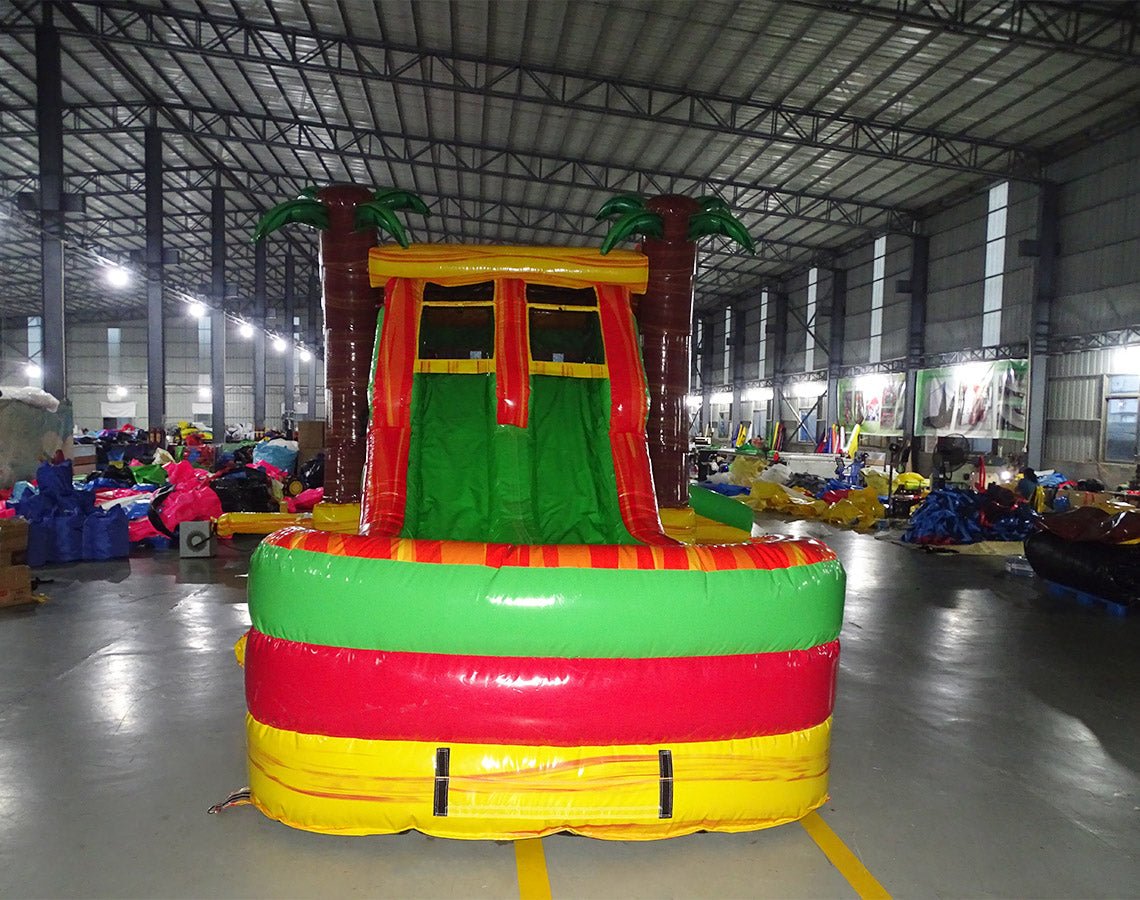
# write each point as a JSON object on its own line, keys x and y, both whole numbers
{"x": 985, "y": 744}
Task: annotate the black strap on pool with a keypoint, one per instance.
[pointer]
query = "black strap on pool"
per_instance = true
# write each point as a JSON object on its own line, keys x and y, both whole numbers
{"x": 665, "y": 758}
{"x": 442, "y": 775}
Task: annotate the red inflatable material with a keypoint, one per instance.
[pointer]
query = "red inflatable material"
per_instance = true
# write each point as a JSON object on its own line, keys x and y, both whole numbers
{"x": 520, "y": 700}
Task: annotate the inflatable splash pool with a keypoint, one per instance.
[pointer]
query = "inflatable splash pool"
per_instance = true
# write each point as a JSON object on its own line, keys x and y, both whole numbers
{"x": 513, "y": 645}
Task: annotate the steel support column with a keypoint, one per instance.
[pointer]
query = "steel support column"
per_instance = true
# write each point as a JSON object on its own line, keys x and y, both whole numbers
{"x": 313, "y": 329}
{"x": 837, "y": 335}
{"x": 155, "y": 348}
{"x": 290, "y": 350}
{"x": 916, "y": 337}
{"x": 1044, "y": 290}
{"x": 217, "y": 311}
{"x": 705, "y": 359}
{"x": 49, "y": 124}
{"x": 779, "y": 352}
{"x": 736, "y": 369}
{"x": 258, "y": 366}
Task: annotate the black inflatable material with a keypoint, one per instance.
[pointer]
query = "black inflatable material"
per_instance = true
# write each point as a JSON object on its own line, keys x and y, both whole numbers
{"x": 1111, "y": 571}
{"x": 245, "y": 490}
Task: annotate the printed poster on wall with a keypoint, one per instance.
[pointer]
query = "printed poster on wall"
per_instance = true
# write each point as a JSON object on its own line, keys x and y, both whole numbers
{"x": 977, "y": 400}
{"x": 876, "y": 401}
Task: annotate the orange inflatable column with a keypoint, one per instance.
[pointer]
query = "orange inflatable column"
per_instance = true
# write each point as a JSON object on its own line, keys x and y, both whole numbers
{"x": 629, "y": 406}
{"x": 385, "y": 490}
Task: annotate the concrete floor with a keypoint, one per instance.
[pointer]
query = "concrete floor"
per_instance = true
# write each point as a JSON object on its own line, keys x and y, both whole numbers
{"x": 985, "y": 744}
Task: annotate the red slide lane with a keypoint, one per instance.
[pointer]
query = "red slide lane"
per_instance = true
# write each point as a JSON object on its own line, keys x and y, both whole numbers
{"x": 512, "y": 700}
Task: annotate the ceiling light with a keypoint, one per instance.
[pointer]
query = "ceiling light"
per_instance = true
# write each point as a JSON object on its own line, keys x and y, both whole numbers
{"x": 203, "y": 392}
{"x": 118, "y": 277}
{"x": 721, "y": 397}
{"x": 197, "y": 310}
{"x": 33, "y": 371}
{"x": 305, "y": 354}
{"x": 693, "y": 401}
{"x": 279, "y": 344}
{"x": 118, "y": 392}
{"x": 245, "y": 330}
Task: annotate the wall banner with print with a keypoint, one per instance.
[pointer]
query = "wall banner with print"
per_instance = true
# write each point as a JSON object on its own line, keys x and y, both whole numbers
{"x": 977, "y": 400}
{"x": 876, "y": 401}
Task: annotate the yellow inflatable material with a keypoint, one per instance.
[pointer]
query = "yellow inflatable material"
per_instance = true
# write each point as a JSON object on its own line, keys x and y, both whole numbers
{"x": 506, "y": 791}
{"x": 232, "y": 523}
{"x": 341, "y": 518}
{"x": 767, "y": 495}
{"x": 460, "y": 264}
{"x": 744, "y": 469}
{"x": 861, "y": 509}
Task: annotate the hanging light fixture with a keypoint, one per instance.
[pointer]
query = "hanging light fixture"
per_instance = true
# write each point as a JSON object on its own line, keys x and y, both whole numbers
{"x": 117, "y": 276}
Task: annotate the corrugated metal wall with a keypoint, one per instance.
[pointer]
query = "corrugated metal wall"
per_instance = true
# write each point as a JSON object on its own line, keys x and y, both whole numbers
{"x": 88, "y": 376}
{"x": 1099, "y": 273}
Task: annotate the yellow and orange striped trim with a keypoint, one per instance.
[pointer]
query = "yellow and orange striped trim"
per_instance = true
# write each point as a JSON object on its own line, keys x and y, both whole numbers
{"x": 769, "y": 552}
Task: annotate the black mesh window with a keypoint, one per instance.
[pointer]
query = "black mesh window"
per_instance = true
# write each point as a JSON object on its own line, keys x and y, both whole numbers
{"x": 560, "y": 296}
{"x": 565, "y": 336}
{"x": 457, "y": 332}
{"x": 483, "y": 291}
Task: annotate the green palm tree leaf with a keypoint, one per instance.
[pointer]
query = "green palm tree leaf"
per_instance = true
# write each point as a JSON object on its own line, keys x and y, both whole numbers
{"x": 722, "y": 223}
{"x": 303, "y": 211}
{"x": 711, "y": 203}
{"x": 641, "y": 222}
{"x": 377, "y": 214}
{"x": 394, "y": 198}
{"x": 621, "y": 204}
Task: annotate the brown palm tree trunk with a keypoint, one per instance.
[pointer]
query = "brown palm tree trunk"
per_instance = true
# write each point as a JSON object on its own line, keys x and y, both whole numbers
{"x": 350, "y": 306}
{"x": 665, "y": 316}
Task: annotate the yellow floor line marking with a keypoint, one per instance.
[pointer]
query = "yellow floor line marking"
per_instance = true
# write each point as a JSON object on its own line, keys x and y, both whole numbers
{"x": 534, "y": 883}
{"x": 848, "y": 864}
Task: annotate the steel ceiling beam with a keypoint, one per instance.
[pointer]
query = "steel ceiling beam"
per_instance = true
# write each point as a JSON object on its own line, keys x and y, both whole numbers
{"x": 1108, "y": 31}
{"x": 308, "y": 50}
{"x": 144, "y": 90}
{"x": 285, "y": 133}
{"x": 528, "y": 217}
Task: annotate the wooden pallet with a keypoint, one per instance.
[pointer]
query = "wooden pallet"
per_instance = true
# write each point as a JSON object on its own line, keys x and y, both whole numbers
{"x": 1112, "y": 607}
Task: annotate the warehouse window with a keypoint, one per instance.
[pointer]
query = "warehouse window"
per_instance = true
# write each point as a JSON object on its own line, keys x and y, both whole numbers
{"x": 36, "y": 349}
{"x": 697, "y": 368}
{"x": 762, "y": 356}
{"x": 1121, "y": 419}
{"x": 995, "y": 264}
{"x": 809, "y": 345}
{"x": 727, "y": 344}
{"x": 878, "y": 275}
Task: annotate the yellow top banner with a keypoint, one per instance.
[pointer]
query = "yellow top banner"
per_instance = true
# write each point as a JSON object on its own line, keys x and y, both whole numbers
{"x": 465, "y": 263}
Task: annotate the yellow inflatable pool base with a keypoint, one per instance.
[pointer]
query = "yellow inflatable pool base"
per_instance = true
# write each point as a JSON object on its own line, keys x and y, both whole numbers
{"x": 486, "y": 791}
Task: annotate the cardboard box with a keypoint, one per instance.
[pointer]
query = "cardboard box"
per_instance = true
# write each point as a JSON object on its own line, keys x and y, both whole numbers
{"x": 15, "y": 585}
{"x": 310, "y": 440}
{"x": 13, "y": 541}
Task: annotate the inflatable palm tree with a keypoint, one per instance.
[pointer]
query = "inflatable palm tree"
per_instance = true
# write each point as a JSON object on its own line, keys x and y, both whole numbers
{"x": 348, "y": 217}
{"x": 671, "y": 225}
